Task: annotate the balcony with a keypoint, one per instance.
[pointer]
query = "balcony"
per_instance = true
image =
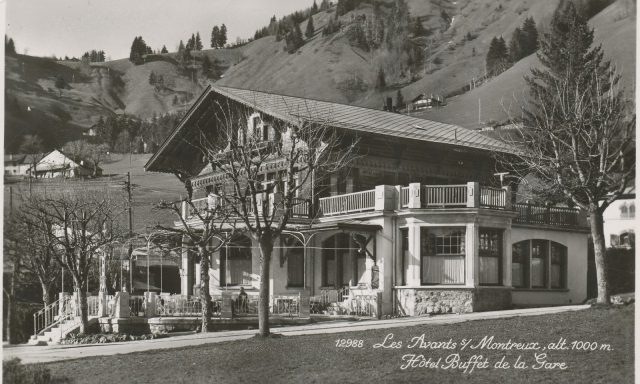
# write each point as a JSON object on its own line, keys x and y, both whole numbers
{"x": 424, "y": 197}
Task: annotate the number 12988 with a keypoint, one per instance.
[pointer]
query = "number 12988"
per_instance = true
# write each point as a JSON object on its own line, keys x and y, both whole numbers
{"x": 349, "y": 343}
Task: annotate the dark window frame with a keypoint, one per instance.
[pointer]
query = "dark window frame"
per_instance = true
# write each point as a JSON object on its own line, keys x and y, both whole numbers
{"x": 442, "y": 243}
{"x": 547, "y": 261}
{"x": 498, "y": 253}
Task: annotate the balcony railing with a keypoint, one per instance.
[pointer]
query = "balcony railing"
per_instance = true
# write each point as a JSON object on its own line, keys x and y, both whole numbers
{"x": 556, "y": 216}
{"x": 420, "y": 196}
{"x": 493, "y": 197}
{"x": 444, "y": 196}
{"x": 348, "y": 203}
{"x": 404, "y": 197}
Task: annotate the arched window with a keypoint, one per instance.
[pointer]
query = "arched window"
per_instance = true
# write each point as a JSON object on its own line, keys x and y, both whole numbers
{"x": 235, "y": 262}
{"x": 624, "y": 211}
{"x": 539, "y": 264}
{"x": 632, "y": 211}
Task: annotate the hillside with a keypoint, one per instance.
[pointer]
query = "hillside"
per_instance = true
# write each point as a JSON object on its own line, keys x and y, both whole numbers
{"x": 452, "y": 53}
{"x": 34, "y": 105}
{"x": 502, "y": 95}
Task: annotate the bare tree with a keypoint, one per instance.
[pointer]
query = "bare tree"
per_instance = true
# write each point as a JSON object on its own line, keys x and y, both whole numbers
{"x": 29, "y": 234}
{"x": 578, "y": 138}
{"x": 269, "y": 169}
{"x": 81, "y": 150}
{"x": 215, "y": 228}
{"x": 79, "y": 226}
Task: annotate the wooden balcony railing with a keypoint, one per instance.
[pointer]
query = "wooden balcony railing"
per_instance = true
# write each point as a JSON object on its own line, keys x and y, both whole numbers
{"x": 348, "y": 203}
{"x": 444, "y": 196}
{"x": 493, "y": 197}
{"x": 418, "y": 196}
{"x": 556, "y": 216}
{"x": 404, "y": 197}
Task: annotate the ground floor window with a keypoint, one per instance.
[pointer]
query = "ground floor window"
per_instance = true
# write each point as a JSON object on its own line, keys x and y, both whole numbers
{"x": 295, "y": 268}
{"x": 539, "y": 264}
{"x": 442, "y": 255}
{"x": 235, "y": 262}
{"x": 490, "y": 256}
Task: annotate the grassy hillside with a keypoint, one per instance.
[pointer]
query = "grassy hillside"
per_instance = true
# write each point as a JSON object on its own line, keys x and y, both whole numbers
{"x": 36, "y": 106}
{"x": 615, "y": 29}
{"x": 325, "y": 64}
{"x": 325, "y": 67}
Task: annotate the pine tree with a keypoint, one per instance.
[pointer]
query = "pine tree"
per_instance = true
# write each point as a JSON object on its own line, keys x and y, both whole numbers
{"x": 197, "y": 42}
{"x": 164, "y": 49}
{"x": 181, "y": 47}
{"x": 529, "y": 36}
{"x": 310, "y": 28}
{"x": 579, "y": 132}
{"x": 223, "y": 36}
{"x": 516, "y": 50}
{"x": 497, "y": 57}
{"x": 399, "y": 100}
{"x": 215, "y": 33}
{"x": 9, "y": 46}
{"x": 314, "y": 8}
{"x": 380, "y": 80}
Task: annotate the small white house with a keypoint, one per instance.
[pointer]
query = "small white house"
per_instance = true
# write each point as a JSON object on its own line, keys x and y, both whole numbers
{"x": 59, "y": 164}
{"x": 18, "y": 165}
{"x": 619, "y": 222}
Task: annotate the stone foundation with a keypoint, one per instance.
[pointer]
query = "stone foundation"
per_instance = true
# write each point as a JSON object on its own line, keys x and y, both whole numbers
{"x": 435, "y": 300}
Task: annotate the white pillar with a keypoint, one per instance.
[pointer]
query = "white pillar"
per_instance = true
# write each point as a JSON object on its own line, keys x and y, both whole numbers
{"x": 472, "y": 257}
{"x": 506, "y": 260}
{"x": 413, "y": 262}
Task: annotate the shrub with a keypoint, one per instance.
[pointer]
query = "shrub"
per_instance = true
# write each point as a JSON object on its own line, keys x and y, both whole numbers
{"x": 14, "y": 372}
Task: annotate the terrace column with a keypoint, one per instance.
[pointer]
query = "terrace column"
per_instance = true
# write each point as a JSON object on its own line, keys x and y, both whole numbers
{"x": 413, "y": 262}
{"x": 506, "y": 260}
{"x": 472, "y": 256}
{"x": 186, "y": 270}
{"x": 102, "y": 292}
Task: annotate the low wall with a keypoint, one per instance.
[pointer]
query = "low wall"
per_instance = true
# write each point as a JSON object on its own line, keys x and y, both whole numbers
{"x": 434, "y": 300}
{"x": 139, "y": 325}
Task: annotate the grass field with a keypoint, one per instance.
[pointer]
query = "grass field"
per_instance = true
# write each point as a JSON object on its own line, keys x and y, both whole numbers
{"x": 316, "y": 359}
{"x": 149, "y": 188}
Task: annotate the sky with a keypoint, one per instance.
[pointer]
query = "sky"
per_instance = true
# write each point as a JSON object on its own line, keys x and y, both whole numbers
{"x": 72, "y": 27}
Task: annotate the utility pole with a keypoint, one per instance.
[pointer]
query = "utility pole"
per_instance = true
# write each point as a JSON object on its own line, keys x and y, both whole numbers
{"x": 130, "y": 209}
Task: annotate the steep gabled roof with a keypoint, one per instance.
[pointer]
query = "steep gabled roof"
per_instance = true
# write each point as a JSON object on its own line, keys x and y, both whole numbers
{"x": 296, "y": 110}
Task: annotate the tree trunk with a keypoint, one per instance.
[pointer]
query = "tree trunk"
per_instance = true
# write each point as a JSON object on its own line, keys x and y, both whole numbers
{"x": 266, "y": 249}
{"x": 46, "y": 293}
{"x": 205, "y": 297}
{"x": 597, "y": 234}
{"x": 12, "y": 335}
{"x": 83, "y": 307}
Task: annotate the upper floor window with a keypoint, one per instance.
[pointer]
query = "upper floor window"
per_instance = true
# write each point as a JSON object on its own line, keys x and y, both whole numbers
{"x": 628, "y": 211}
